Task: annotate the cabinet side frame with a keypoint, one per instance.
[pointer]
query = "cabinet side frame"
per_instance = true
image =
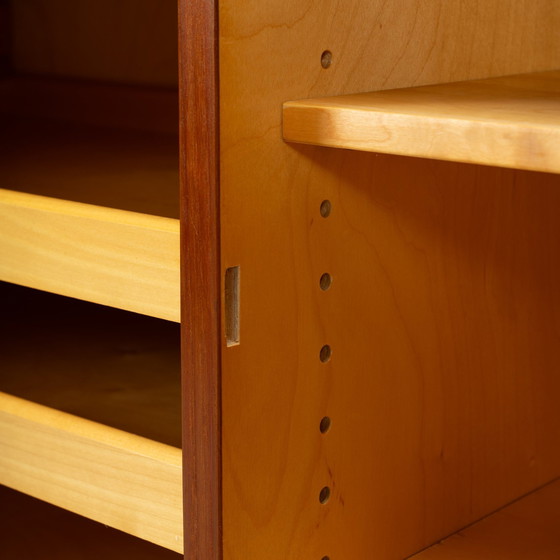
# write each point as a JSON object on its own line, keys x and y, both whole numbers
{"x": 200, "y": 278}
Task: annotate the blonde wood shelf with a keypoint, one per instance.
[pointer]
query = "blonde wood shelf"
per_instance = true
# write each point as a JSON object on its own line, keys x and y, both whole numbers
{"x": 525, "y": 529}
{"x": 90, "y": 418}
{"x": 66, "y": 142}
{"x": 103, "y": 255}
{"x": 512, "y": 121}
{"x": 120, "y": 479}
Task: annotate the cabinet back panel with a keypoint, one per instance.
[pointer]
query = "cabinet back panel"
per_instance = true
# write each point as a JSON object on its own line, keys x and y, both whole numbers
{"x": 443, "y": 311}
{"x": 129, "y": 41}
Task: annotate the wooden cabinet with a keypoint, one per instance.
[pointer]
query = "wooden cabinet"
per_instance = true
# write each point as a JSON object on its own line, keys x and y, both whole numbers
{"x": 358, "y": 235}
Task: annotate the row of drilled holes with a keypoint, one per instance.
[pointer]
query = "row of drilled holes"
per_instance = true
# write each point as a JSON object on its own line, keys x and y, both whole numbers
{"x": 325, "y": 354}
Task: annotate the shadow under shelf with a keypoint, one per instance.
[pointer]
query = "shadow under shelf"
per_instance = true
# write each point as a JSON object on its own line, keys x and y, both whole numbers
{"x": 90, "y": 412}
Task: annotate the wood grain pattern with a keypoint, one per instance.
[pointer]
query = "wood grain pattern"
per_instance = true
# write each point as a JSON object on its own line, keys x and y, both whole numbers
{"x": 122, "y": 480}
{"x": 509, "y": 122}
{"x": 132, "y": 41}
{"x": 525, "y": 529}
{"x": 31, "y": 529}
{"x": 113, "y": 257}
{"x": 200, "y": 277}
{"x": 443, "y": 311}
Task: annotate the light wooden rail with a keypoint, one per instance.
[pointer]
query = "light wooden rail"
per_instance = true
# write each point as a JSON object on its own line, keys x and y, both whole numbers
{"x": 507, "y": 122}
{"x": 113, "y": 257}
{"x": 119, "y": 479}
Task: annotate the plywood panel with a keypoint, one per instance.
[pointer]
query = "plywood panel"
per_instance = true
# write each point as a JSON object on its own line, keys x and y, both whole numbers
{"x": 122, "y": 480}
{"x": 510, "y": 122}
{"x": 438, "y": 386}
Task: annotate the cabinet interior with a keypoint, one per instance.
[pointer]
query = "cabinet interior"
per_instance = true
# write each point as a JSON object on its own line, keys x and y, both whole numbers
{"x": 89, "y": 188}
{"x": 114, "y": 367}
{"x": 89, "y": 109}
{"x": 430, "y": 357}
{"x": 89, "y": 102}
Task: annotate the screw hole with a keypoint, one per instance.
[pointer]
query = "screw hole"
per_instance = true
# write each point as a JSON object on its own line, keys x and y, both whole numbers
{"x": 325, "y": 208}
{"x": 324, "y": 495}
{"x": 325, "y": 425}
{"x": 326, "y": 558}
{"x": 326, "y": 59}
{"x": 325, "y": 353}
{"x": 325, "y": 282}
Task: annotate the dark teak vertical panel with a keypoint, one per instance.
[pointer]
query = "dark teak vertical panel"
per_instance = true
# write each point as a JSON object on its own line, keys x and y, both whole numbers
{"x": 200, "y": 278}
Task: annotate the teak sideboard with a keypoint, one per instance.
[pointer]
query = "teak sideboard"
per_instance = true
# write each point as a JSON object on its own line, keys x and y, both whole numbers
{"x": 298, "y": 300}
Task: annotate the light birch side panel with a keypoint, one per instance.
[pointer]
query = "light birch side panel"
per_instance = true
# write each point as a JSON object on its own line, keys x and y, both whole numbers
{"x": 443, "y": 311}
{"x": 113, "y": 257}
{"x": 125, "y": 481}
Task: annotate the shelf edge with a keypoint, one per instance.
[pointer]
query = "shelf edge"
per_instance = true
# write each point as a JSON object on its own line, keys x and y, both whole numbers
{"x": 498, "y": 122}
{"x": 122, "y": 480}
{"x": 103, "y": 255}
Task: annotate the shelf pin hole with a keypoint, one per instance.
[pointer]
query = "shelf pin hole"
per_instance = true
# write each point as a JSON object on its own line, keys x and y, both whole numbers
{"x": 325, "y": 208}
{"x": 325, "y": 282}
{"x": 325, "y": 425}
{"x": 325, "y": 353}
{"x": 326, "y": 59}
